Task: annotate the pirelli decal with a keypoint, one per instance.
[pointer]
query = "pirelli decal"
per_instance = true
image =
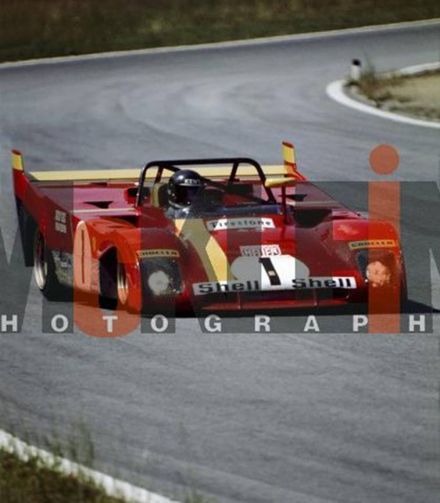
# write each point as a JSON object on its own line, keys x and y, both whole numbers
{"x": 154, "y": 253}
{"x": 373, "y": 243}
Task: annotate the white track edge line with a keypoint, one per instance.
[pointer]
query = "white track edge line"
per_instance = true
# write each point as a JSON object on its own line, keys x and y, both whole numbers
{"x": 221, "y": 45}
{"x": 335, "y": 90}
{"x": 111, "y": 486}
{"x": 414, "y": 69}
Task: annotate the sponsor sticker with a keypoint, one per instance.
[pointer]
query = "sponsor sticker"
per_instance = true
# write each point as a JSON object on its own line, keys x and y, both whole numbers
{"x": 224, "y": 224}
{"x": 260, "y": 250}
{"x": 312, "y": 282}
{"x": 61, "y": 221}
{"x": 373, "y": 243}
{"x": 319, "y": 282}
{"x": 225, "y": 287}
{"x": 158, "y": 253}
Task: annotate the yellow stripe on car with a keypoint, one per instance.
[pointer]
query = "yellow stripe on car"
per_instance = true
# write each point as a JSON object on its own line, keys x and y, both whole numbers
{"x": 211, "y": 254}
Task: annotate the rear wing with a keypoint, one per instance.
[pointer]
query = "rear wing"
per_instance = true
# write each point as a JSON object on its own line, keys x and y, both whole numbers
{"x": 286, "y": 170}
{"x": 134, "y": 173}
{"x": 72, "y": 175}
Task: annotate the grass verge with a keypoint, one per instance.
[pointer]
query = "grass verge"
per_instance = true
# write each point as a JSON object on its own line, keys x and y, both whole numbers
{"x": 43, "y": 28}
{"x": 30, "y": 475}
{"x": 413, "y": 95}
{"x": 33, "y": 482}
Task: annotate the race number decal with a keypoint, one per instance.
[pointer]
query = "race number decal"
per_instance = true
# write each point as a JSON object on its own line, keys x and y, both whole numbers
{"x": 272, "y": 273}
{"x": 82, "y": 258}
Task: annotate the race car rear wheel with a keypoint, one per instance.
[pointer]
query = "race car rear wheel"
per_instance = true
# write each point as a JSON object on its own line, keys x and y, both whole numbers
{"x": 27, "y": 227}
{"x": 44, "y": 269}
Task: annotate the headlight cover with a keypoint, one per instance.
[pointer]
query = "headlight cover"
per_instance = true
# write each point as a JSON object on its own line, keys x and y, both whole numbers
{"x": 159, "y": 282}
{"x": 378, "y": 267}
{"x": 161, "y": 276}
{"x": 378, "y": 274}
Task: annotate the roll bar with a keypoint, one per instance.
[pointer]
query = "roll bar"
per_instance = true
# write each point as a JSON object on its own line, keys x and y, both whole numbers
{"x": 176, "y": 165}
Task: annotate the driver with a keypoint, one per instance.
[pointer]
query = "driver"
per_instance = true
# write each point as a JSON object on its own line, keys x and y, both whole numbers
{"x": 184, "y": 188}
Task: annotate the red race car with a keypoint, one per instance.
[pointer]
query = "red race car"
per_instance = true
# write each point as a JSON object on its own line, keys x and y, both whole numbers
{"x": 201, "y": 235}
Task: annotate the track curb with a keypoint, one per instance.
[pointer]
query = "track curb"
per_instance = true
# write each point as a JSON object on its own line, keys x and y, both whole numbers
{"x": 111, "y": 486}
{"x": 337, "y": 91}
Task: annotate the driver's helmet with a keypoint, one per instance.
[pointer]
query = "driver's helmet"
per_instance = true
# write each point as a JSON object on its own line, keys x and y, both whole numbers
{"x": 184, "y": 187}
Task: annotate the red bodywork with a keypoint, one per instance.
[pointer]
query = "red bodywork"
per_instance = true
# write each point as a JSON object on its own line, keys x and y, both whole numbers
{"x": 243, "y": 254}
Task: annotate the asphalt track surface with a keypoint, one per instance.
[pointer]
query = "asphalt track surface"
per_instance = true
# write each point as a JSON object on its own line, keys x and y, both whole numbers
{"x": 241, "y": 417}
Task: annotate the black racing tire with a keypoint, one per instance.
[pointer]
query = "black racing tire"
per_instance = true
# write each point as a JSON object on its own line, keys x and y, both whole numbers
{"x": 45, "y": 271}
{"x": 404, "y": 300}
{"x": 114, "y": 284}
{"x": 27, "y": 227}
{"x": 108, "y": 303}
{"x": 108, "y": 290}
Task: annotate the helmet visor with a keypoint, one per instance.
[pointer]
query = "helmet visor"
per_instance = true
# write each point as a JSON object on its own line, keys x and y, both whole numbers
{"x": 187, "y": 195}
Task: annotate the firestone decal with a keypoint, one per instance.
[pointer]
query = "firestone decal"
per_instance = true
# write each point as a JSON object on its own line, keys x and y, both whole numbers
{"x": 240, "y": 223}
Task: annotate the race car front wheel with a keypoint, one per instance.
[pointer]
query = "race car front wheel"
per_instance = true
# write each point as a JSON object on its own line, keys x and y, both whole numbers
{"x": 114, "y": 283}
{"x": 122, "y": 283}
